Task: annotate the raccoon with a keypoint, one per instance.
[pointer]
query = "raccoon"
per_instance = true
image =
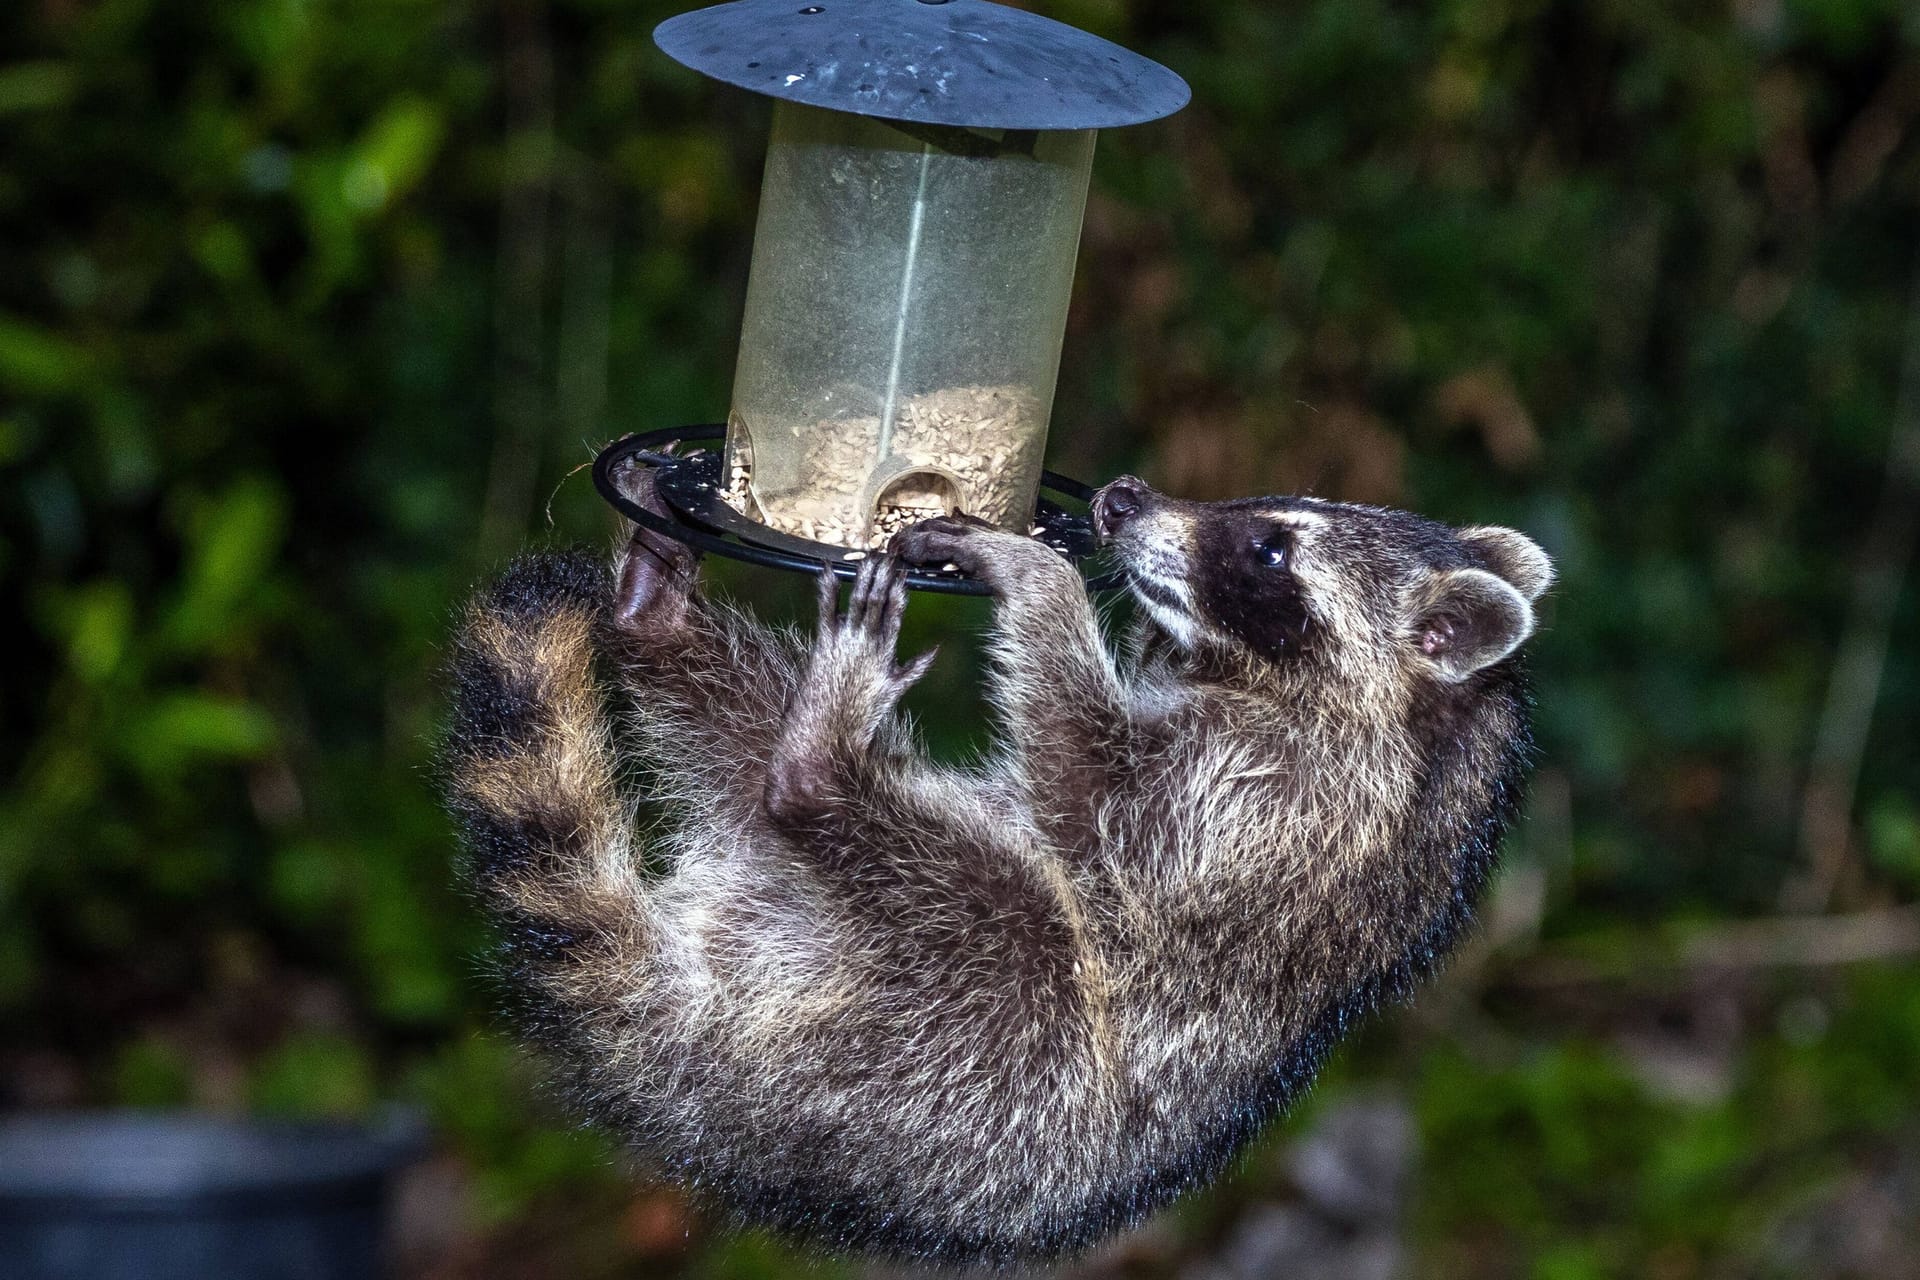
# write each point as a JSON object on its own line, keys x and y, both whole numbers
{"x": 989, "y": 1014}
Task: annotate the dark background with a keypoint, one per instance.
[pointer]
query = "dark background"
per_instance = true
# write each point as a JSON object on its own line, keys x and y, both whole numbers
{"x": 309, "y": 313}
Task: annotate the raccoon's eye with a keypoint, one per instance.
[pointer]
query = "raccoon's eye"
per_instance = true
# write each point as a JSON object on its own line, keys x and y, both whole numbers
{"x": 1275, "y": 551}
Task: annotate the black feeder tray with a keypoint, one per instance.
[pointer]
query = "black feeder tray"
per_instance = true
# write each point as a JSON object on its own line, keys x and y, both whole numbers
{"x": 689, "y": 485}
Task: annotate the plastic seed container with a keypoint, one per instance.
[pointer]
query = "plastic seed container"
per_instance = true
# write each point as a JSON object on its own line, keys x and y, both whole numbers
{"x": 903, "y": 323}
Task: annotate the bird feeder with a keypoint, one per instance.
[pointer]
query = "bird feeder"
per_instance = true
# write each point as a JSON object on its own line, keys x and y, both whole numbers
{"x": 920, "y": 214}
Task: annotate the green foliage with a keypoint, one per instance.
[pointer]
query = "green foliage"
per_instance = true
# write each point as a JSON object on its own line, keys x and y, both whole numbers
{"x": 308, "y": 312}
{"x": 314, "y": 1074}
{"x": 476, "y": 1090}
{"x": 151, "y": 1073}
{"x": 1568, "y": 1157}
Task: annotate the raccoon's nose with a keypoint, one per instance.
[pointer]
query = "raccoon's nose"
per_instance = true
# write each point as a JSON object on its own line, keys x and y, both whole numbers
{"x": 1120, "y": 501}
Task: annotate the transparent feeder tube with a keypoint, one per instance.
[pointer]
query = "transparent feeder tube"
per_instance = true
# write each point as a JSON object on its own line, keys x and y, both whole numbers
{"x": 904, "y": 317}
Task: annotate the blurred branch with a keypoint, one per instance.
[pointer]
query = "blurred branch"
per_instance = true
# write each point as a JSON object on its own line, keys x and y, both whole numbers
{"x": 519, "y": 328}
{"x": 1785, "y": 942}
{"x": 1874, "y": 135}
{"x": 1840, "y": 747}
{"x": 1807, "y": 942}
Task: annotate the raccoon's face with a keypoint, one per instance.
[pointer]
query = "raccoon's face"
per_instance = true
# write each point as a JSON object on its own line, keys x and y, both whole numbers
{"x": 1302, "y": 580}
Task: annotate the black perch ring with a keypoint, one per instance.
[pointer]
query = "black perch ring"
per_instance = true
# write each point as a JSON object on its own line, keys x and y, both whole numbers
{"x": 689, "y": 486}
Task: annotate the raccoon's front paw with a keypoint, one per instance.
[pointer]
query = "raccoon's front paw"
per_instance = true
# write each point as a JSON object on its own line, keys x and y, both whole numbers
{"x": 994, "y": 556}
{"x": 961, "y": 540}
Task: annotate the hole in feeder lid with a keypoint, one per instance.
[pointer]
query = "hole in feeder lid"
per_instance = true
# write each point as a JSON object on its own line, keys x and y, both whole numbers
{"x": 812, "y": 9}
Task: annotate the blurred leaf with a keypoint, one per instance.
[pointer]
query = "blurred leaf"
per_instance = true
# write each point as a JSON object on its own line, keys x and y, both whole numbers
{"x": 310, "y": 881}
{"x": 394, "y": 153}
{"x": 99, "y": 623}
{"x": 232, "y": 543}
{"x": 39, "y": 361}
{"x": 36, "y": 86}
{"x": 477, "y": 1090}
{"x": 183, "y": 728}
{"x": 1893, "y": 838}
{"x": 314, "y": 1075}
{"x": 151, "y": 1073}
{"x": 16, "y": 437}
{"x": 752, "y": 1255}
{"x": 222, "y": 250}
{"x": 19, "y": 964}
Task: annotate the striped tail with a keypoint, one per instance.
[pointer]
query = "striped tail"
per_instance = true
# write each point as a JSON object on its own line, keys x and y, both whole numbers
{"x": 531, "y": 779}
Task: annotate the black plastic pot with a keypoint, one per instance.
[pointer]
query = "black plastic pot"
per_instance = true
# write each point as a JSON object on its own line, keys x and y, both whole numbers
{"x": 115, "y": 1196}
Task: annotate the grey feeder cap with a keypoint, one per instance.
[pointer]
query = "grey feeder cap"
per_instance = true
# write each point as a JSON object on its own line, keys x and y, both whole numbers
{"x": 970, "y": 63}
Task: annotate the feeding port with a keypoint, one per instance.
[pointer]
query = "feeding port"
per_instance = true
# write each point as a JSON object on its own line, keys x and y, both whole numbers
{"x": 916, "y": 495}
{"x": 903, "y": 324}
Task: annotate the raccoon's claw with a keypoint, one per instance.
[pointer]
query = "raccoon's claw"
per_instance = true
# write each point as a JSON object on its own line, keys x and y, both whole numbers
{"x": 951, "y": 539}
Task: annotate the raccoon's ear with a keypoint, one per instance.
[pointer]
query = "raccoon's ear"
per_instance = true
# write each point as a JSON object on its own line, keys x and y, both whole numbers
{"x": 1467, "y": 619}
{"x": 1512, "y": 555}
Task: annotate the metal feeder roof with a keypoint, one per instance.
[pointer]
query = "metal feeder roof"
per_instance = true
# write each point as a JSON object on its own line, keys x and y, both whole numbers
{"x": 968, "y": 63}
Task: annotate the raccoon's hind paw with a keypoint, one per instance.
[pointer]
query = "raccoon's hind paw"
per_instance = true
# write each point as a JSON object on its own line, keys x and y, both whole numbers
{"x": 868, "y": 632}
{"x": 852, "y": 684}
{"x": 656, "y": 572}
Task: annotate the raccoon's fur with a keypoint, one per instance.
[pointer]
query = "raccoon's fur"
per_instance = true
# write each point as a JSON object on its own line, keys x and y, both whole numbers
{"x": 995, "y": 1013}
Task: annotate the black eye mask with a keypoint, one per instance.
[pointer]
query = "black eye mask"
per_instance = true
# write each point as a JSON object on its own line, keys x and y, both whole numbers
{"x": 1239, "y": 588}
